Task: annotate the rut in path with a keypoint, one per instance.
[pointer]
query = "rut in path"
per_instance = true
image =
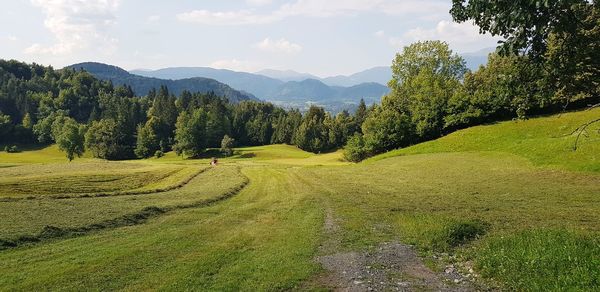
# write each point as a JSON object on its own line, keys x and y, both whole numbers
{"x": 391, "y": 266}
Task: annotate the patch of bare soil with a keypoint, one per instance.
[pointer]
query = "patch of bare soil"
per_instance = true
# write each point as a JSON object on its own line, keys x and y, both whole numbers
{"x": 392, "y": 266}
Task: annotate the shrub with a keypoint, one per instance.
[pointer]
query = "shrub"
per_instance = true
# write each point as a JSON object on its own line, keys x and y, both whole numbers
{"x": 462, "y": 232}
{"x": 227, "y": 145}
{"x": 159, "y": 154}
{"x": 355, "y": 150}
{"x": 11, "y": 149}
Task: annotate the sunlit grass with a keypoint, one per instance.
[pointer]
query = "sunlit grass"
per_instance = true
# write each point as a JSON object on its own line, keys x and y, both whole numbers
{"x": 545, "y": 141}
{"x": 512, "y": 198}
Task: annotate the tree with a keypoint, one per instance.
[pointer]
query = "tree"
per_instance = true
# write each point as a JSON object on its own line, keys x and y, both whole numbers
{"x": 5, "y": 127}
{"x": 424, "y": 77}
{"x": 103, "y": 140}
{"x": 386, "y": 129}
{"x": 147, "y": 142}
{"x": 525, "y": 24}
{"x": 312, "y": 135}
{"x": 572, "y": 60}
{"x": 43, "y": 128}
{"x": 360, "y": 115}
{"x": 27, "y": 122}
{"x": 356, "y": 150}
{"x": 227, "y": 145}
{"x": 70, "y": 137}
{"x": 190, "y": 133}
{"x": 506, "y": 87}
{"x": 164, "y": 109}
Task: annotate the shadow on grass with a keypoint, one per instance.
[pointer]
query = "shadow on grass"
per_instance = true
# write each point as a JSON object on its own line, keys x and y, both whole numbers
{"x": 140, "y": 217}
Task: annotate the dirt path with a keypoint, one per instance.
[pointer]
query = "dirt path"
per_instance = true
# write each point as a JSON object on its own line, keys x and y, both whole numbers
{"x": 389, "y": 267}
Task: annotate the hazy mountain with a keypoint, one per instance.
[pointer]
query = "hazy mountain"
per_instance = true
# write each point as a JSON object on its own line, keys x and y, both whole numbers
{"x": 255, "y": 84}
{"x": 302, "y": 94}
{"x": 379, "y": 75}
{"x": 475, "y": 59}
{"x": 289, "y": 94}
{"x": 286, "y": 75}
{"x": 312, "y": 90}
{"x": 141, "y": 85}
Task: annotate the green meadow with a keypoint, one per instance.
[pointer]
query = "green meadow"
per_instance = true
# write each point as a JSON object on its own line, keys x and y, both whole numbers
{"x": 512, "y": 200}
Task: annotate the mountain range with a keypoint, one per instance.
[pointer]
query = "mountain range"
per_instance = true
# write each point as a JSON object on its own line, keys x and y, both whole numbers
{"x": 286, "y": 88}
{"x": 142, "y": 85}
{"x": 292, "y": 90}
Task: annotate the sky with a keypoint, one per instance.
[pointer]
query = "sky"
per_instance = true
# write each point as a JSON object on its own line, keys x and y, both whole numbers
{"x": 321, "y": 37}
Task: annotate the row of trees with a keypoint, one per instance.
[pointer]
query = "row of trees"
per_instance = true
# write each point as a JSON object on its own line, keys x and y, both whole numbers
{"x": 78, "y": 112}
{"x": 550, "y": 61}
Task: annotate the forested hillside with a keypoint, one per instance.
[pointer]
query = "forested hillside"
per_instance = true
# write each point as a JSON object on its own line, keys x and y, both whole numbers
{"x": 80, "y": 113}
{"x": 142, "y": 85}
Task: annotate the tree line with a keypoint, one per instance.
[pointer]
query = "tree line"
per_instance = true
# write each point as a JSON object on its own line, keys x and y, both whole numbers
{"x": 40, "y": 105}
{"x": 549, "y": 61}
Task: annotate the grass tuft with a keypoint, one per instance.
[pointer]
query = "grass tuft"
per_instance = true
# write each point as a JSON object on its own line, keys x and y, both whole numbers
{"x": 462, "y": 232}
{"x": 542, "y": 260}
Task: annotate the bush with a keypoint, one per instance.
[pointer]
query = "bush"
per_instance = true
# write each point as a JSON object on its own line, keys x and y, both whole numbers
{"x": 355, "y": 150}
{"x": 11, "y": 149}
{"x": 227, "y": 145}
{"x": 462, "y": 232}
{"x": 159, "y": 154}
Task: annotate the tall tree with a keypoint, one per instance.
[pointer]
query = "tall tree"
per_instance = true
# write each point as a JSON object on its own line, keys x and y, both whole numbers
{"x": 190, "y": 133}
{"x": 525, "y": 24}
{"x": 69, "y": 136}
{"x": 147, "y": 143}
{"x": 424, "y": 77}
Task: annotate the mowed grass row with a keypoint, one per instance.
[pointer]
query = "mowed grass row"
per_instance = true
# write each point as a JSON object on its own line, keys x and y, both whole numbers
{"x": 30, "y": 217}
{"x": 96, "y": 179}
{"x": 264, "y": 238}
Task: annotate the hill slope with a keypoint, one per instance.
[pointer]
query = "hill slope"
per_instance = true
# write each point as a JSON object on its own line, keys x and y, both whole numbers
{"x": 546, "y": 141}
{"x": 141, "y": 85}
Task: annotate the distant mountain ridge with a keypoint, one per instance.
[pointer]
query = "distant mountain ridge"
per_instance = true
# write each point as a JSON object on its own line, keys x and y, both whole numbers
{"x": 141, "y": 85}
{"x": 286, "y": 75}
{"x": 299, "y": 94}
{"x": 257, "y": 85}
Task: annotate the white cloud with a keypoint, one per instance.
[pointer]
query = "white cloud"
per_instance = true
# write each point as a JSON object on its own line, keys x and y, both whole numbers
{"x": 224, "y": 18}
{"x": 316, "y": 8}
{"x": 12, "y": 38}
{"x": 259, "y": 2}
{"x": 153, "y": 18}
{"x": 77, "y": 26}
{"x": 462, "y": 36}
{"x": 236, "y": 65}
{"x": 379, "y": 34}
{"x": 278, "y": 46}
{"x": 396, "y": 42}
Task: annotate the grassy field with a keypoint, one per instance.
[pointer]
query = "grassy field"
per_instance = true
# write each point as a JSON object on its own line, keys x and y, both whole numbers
{"x": 512, "y": 200}
{"x": 545, "y": 141}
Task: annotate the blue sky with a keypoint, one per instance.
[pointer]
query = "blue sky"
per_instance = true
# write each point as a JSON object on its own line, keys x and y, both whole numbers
{"x": 316, "y": 36}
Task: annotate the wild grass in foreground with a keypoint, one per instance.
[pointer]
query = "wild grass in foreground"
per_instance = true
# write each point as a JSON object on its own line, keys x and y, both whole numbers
{"x": 542, "y": 260}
